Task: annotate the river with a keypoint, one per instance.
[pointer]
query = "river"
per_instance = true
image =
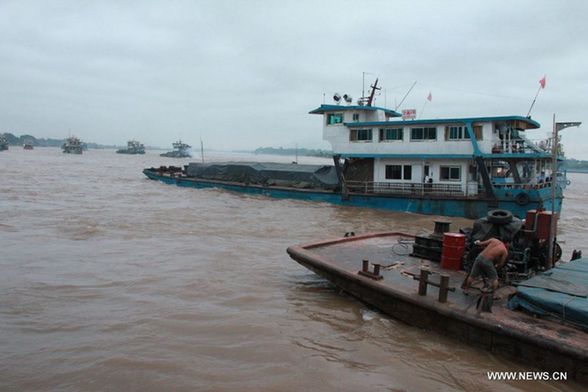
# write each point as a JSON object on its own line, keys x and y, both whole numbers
{"x": 112, "y": 282}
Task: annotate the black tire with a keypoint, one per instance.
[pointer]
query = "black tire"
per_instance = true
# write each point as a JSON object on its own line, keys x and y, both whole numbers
{"x": 522, "y": 199}
{"x": 499, "y": 217}
{"x": 557, "y": 252}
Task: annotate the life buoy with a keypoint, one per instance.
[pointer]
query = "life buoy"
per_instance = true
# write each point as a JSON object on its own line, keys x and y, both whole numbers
{"x": 522, "y": 199}
{"x": 568, "y": 182}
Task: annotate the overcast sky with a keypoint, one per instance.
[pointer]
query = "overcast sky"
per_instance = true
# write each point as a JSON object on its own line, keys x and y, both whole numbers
{"x": 244, "y": 74}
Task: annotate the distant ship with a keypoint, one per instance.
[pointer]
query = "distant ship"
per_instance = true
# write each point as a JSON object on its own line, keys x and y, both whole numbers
{"x": 72, "y": 145}
{"x": 133, "y": 147}
{"x": 3, "y": 143}
{"x": 181, "y": 150}
{"x": 28, "y": 145}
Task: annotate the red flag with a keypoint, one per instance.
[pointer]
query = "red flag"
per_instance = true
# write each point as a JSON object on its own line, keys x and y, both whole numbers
{"x": 430, "y": 97}
{"x": 542, "y": 82}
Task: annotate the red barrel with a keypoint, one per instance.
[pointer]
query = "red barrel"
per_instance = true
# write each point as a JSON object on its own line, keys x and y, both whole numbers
{"x": 544, "y": 219}
{"x": 530, "y": 219}
{"x": 453, "y": 249}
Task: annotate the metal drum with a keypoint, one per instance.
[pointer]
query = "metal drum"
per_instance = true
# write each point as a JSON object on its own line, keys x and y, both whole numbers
{"x": 453, "y": 249}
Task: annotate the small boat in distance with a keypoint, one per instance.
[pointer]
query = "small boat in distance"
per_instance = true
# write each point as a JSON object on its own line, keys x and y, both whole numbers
{"x": 28, "y": 145}
{"x": 133, "y": 147}
{"x": 72, "y": 145}
{"x": 3, "y": 143}
{"x": 181, "y": 150}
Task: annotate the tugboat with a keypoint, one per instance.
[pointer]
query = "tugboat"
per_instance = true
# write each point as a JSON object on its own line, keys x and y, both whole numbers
{"x": 28, "y": 145}
{"x": 181, "y": 150}
{"x": 72, "y": 145}
{"x": 3, "y": 143}
{"x": 133, "y": 147}
{"x": 538, "y": 315}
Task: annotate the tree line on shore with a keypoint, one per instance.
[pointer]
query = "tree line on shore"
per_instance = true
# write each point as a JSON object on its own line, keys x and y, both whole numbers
{"x": 575, "y": 165}
{"x": 293, "y": 151}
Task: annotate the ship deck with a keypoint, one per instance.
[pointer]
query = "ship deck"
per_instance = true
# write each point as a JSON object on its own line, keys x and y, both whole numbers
{"x": 542, "y": 343}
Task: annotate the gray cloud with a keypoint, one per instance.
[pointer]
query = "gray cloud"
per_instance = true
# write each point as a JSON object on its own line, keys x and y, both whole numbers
{"x": 242, "y": 74}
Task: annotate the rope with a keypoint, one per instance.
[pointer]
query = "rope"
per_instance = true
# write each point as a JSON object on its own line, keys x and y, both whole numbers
{"x": 403, "y": 243}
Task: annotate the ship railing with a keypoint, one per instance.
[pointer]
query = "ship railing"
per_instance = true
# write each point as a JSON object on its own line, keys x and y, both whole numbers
{"x": 405, "y": 188}
{"x": 519, "y": 146}
{"x": 525, "y": 186}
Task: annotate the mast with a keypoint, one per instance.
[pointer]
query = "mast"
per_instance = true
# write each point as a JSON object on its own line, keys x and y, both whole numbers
{"x": 374, "y": 88}
{"x": 554, "y": 183}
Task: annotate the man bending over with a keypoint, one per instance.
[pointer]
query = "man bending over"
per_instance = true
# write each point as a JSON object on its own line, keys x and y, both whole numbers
{"x": 492, "y": 257}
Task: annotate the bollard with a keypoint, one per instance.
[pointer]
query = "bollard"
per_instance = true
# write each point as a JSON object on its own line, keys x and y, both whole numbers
{"x": 376, "y": 269}
{"x": 443, "y": 288}
{"x": 365, "y": 266}
{"x": 423, "y": 280}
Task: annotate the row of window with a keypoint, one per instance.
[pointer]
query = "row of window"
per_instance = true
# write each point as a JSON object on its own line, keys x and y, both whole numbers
{"x": 416, "y": 134}
{"x": 337, "y": 118}
{"x": 404, "y": 172}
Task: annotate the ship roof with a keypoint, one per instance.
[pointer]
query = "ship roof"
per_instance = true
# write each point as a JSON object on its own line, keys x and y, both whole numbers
{"x": 338, "y": 108}
{"x": 522, "y": 123}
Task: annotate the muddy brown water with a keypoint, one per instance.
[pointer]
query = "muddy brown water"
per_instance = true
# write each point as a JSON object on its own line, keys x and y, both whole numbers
{"x": 110, "y": 281}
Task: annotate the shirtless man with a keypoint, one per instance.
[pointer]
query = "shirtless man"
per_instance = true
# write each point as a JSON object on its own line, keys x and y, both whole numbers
{"x": 492, "y": 257}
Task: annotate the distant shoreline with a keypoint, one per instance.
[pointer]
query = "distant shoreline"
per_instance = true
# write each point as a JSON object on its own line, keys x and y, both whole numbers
{"x": 307, "y": 152}
{"x": 582, "y": 171}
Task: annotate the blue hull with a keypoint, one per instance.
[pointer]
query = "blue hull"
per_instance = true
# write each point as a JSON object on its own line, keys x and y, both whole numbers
{"x": 472, "y": 208}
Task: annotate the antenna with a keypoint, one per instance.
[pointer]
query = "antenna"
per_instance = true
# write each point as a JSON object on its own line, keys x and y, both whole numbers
{"x": 201, "y": 149}
{"x": 363, "y": 86}
{"x": 406, "y": 95}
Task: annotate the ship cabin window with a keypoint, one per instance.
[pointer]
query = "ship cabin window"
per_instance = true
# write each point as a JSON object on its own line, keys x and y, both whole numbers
{"x": 398, "y": 172}
{"x": 390, "y": 134}
{"x": 456, "y": 133}
{"x": 450, "y": 173}
{"x": 418, "y": 134}
{"x": 334, "y": 118}
{"x": 360, "y": 135}
{"x": 355, "y": 117}
{"x": 461, "y": 132}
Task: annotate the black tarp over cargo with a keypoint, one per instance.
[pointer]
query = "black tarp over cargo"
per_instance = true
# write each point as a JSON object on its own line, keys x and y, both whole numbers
{"x": 267, "y": 174}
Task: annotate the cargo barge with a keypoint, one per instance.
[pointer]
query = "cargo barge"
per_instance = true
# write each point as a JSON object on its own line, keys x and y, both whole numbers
{"x": 417, "y": 280}
{"x": 452, "y": 167}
